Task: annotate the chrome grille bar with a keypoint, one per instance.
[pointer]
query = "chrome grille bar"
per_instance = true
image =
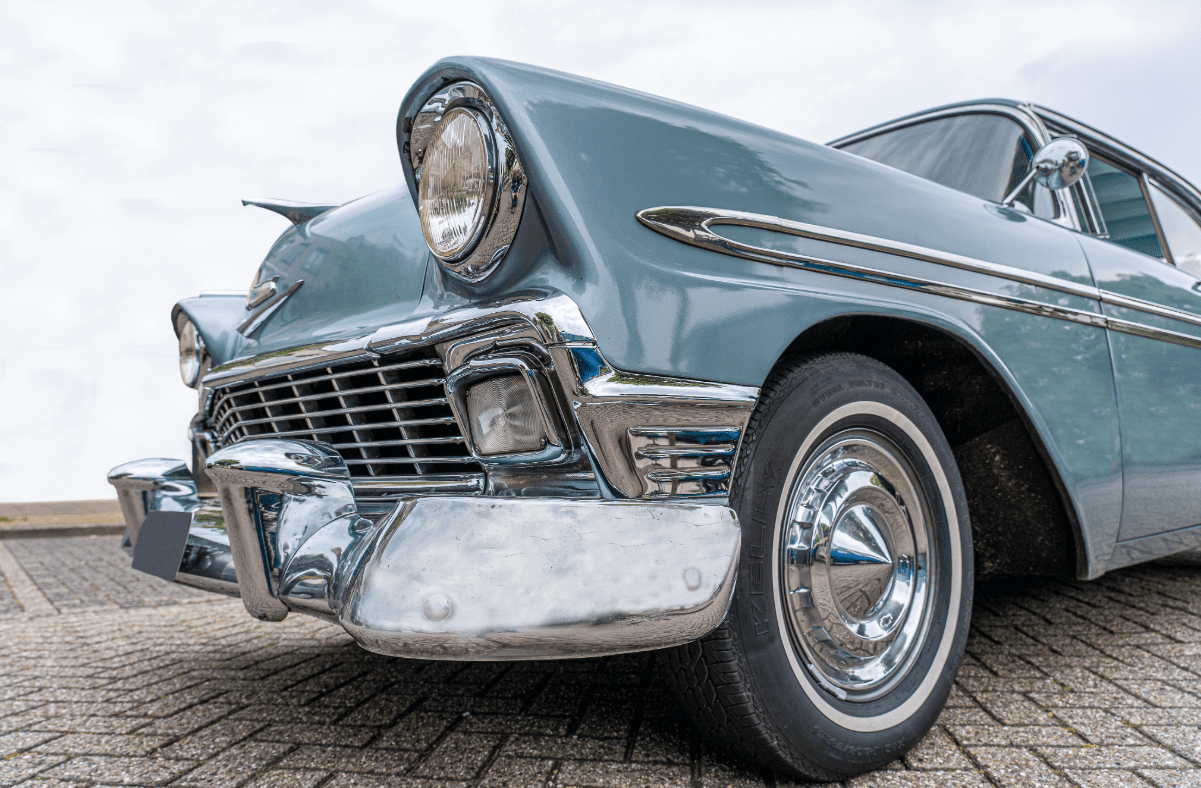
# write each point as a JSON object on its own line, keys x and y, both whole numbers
{"x": 273, "y": 418}
{"x": 366, "y": 390}
{"x": 363, "y": 409}
{"x": 424, "y": 362}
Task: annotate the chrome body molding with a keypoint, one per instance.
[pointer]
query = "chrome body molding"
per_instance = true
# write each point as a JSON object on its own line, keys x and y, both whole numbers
{"x": 589, "y": 406}
{"x": 656, "y": 436}
{"x": 261, "y": 292}
{"x": 553, "y": 319}
{"x": 304, "y": 357}
{"x": 255, "y": 321}
{"x": 675, "y": 461}
{"x": 294, "y": 212}
{"x": 455, "y": 577}
{"x": 692, "y": 226}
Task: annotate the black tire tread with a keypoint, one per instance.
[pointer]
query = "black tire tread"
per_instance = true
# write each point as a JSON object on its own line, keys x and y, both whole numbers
{"x": 708, "y": 676}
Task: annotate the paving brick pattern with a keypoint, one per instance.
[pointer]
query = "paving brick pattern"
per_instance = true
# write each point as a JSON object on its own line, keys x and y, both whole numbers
{"x": 1065, "y": 684}
{"x": 8, "y": 603}
{"x": 91, "y": 572}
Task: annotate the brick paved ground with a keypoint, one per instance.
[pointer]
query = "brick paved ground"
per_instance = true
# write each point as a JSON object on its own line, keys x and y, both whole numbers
{"x": 137, "y": 682}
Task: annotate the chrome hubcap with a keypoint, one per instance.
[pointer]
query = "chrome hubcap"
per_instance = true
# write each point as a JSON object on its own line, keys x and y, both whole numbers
{"x": 856, "y": 565}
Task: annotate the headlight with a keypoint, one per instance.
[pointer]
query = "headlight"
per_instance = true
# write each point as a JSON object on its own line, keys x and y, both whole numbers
{"x": 458, "y": 182}
{"x": 191, "y": 353}
{"x": 470, "y": 184}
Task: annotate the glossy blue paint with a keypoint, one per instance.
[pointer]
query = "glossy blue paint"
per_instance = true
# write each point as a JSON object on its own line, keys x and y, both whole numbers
{"x": 363, "y": 265}
{"x": 596, "y": 154}
{"x": 1159, "y": 391}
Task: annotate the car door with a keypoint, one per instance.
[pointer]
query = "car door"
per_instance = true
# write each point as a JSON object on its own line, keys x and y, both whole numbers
{"x": 1155, "y": 341}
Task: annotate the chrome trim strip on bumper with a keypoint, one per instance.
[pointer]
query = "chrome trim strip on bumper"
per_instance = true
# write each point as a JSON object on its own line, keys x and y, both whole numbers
{"x": 463, "y": 578}
{"x": 691, "y": 225}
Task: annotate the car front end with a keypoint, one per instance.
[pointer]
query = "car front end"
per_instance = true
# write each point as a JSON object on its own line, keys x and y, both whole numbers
{"x": 467, "y": 478}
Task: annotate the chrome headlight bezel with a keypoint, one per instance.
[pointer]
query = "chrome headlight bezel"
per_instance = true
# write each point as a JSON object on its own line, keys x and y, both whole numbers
{"x": 193, "y": 354}
{"x": 506, "y": 192}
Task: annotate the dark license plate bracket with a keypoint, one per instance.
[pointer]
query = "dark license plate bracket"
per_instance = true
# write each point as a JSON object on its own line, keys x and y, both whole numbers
{"x": 161, "y": 542}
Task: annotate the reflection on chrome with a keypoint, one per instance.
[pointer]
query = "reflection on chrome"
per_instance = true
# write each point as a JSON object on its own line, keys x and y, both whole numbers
{"x": 449, "y": 577}
{"x": 589, "y": 407}
{"x": 502, "y": 194}
{"x": 857, "y": 569}
{"x": 693, "y": 226}
{"x": 165, "y": 485}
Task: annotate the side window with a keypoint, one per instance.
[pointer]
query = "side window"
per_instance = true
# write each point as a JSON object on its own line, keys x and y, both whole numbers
{"x": 1122, "y": 206}
{"x": 1180, "y": 230}
{"x": 982, "y": 154}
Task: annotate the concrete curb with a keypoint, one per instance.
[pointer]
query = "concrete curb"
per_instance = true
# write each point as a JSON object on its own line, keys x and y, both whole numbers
{"x": 51, "y": 530}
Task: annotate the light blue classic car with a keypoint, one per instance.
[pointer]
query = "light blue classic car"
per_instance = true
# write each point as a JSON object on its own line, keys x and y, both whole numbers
{"x": 611, "y": 373}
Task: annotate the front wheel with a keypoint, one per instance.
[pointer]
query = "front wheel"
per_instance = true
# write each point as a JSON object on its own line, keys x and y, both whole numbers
{"x": 854, "y": 590}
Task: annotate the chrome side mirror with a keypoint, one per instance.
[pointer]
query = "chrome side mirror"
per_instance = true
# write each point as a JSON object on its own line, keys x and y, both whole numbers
{"x": 1057, "y": 165}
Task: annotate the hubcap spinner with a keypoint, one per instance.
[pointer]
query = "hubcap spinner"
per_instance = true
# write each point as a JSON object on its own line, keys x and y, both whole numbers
{"x": 855, "y": 564}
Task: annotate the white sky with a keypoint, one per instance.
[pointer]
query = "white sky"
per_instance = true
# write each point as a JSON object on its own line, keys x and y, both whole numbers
{"x": 130, "y": 130}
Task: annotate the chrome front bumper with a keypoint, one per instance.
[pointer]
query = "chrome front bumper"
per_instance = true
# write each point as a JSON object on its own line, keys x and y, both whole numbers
{"x": 442, "y": 577}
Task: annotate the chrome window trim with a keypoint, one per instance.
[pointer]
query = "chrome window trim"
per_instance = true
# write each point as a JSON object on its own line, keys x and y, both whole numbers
{"x": 1109, "y": 147}
{"x": 1148, "y": 183}
{"x": 1023, "y": 114}
{"x": 1145, "y": 190}
{"x": 691, "y": 225}
{"x": 1026, "y": 118}
{"x": 1192, "y": 210}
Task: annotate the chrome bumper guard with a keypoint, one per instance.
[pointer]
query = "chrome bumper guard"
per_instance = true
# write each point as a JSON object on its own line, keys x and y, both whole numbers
{"x": 443, "y": 577}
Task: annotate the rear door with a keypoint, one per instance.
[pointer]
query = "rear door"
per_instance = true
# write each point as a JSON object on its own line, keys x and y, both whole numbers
{"x": 1147, "y": 263}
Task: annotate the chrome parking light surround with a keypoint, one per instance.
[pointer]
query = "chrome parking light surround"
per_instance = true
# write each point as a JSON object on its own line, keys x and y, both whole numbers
{"x": 508, "y": 182}
{"x": 523, "y": 366}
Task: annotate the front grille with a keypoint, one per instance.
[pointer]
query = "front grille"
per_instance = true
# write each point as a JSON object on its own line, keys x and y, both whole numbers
{"x": 386, "y": 417}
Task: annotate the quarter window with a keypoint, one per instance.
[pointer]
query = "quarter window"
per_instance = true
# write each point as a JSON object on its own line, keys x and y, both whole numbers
{"x": 1180, "y": 230}
{"x": 982, "y": 154}
{"x": 1123, "y": 207}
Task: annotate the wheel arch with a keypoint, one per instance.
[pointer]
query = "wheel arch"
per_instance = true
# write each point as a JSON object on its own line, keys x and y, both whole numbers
{"x": 1024, "y": 518}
